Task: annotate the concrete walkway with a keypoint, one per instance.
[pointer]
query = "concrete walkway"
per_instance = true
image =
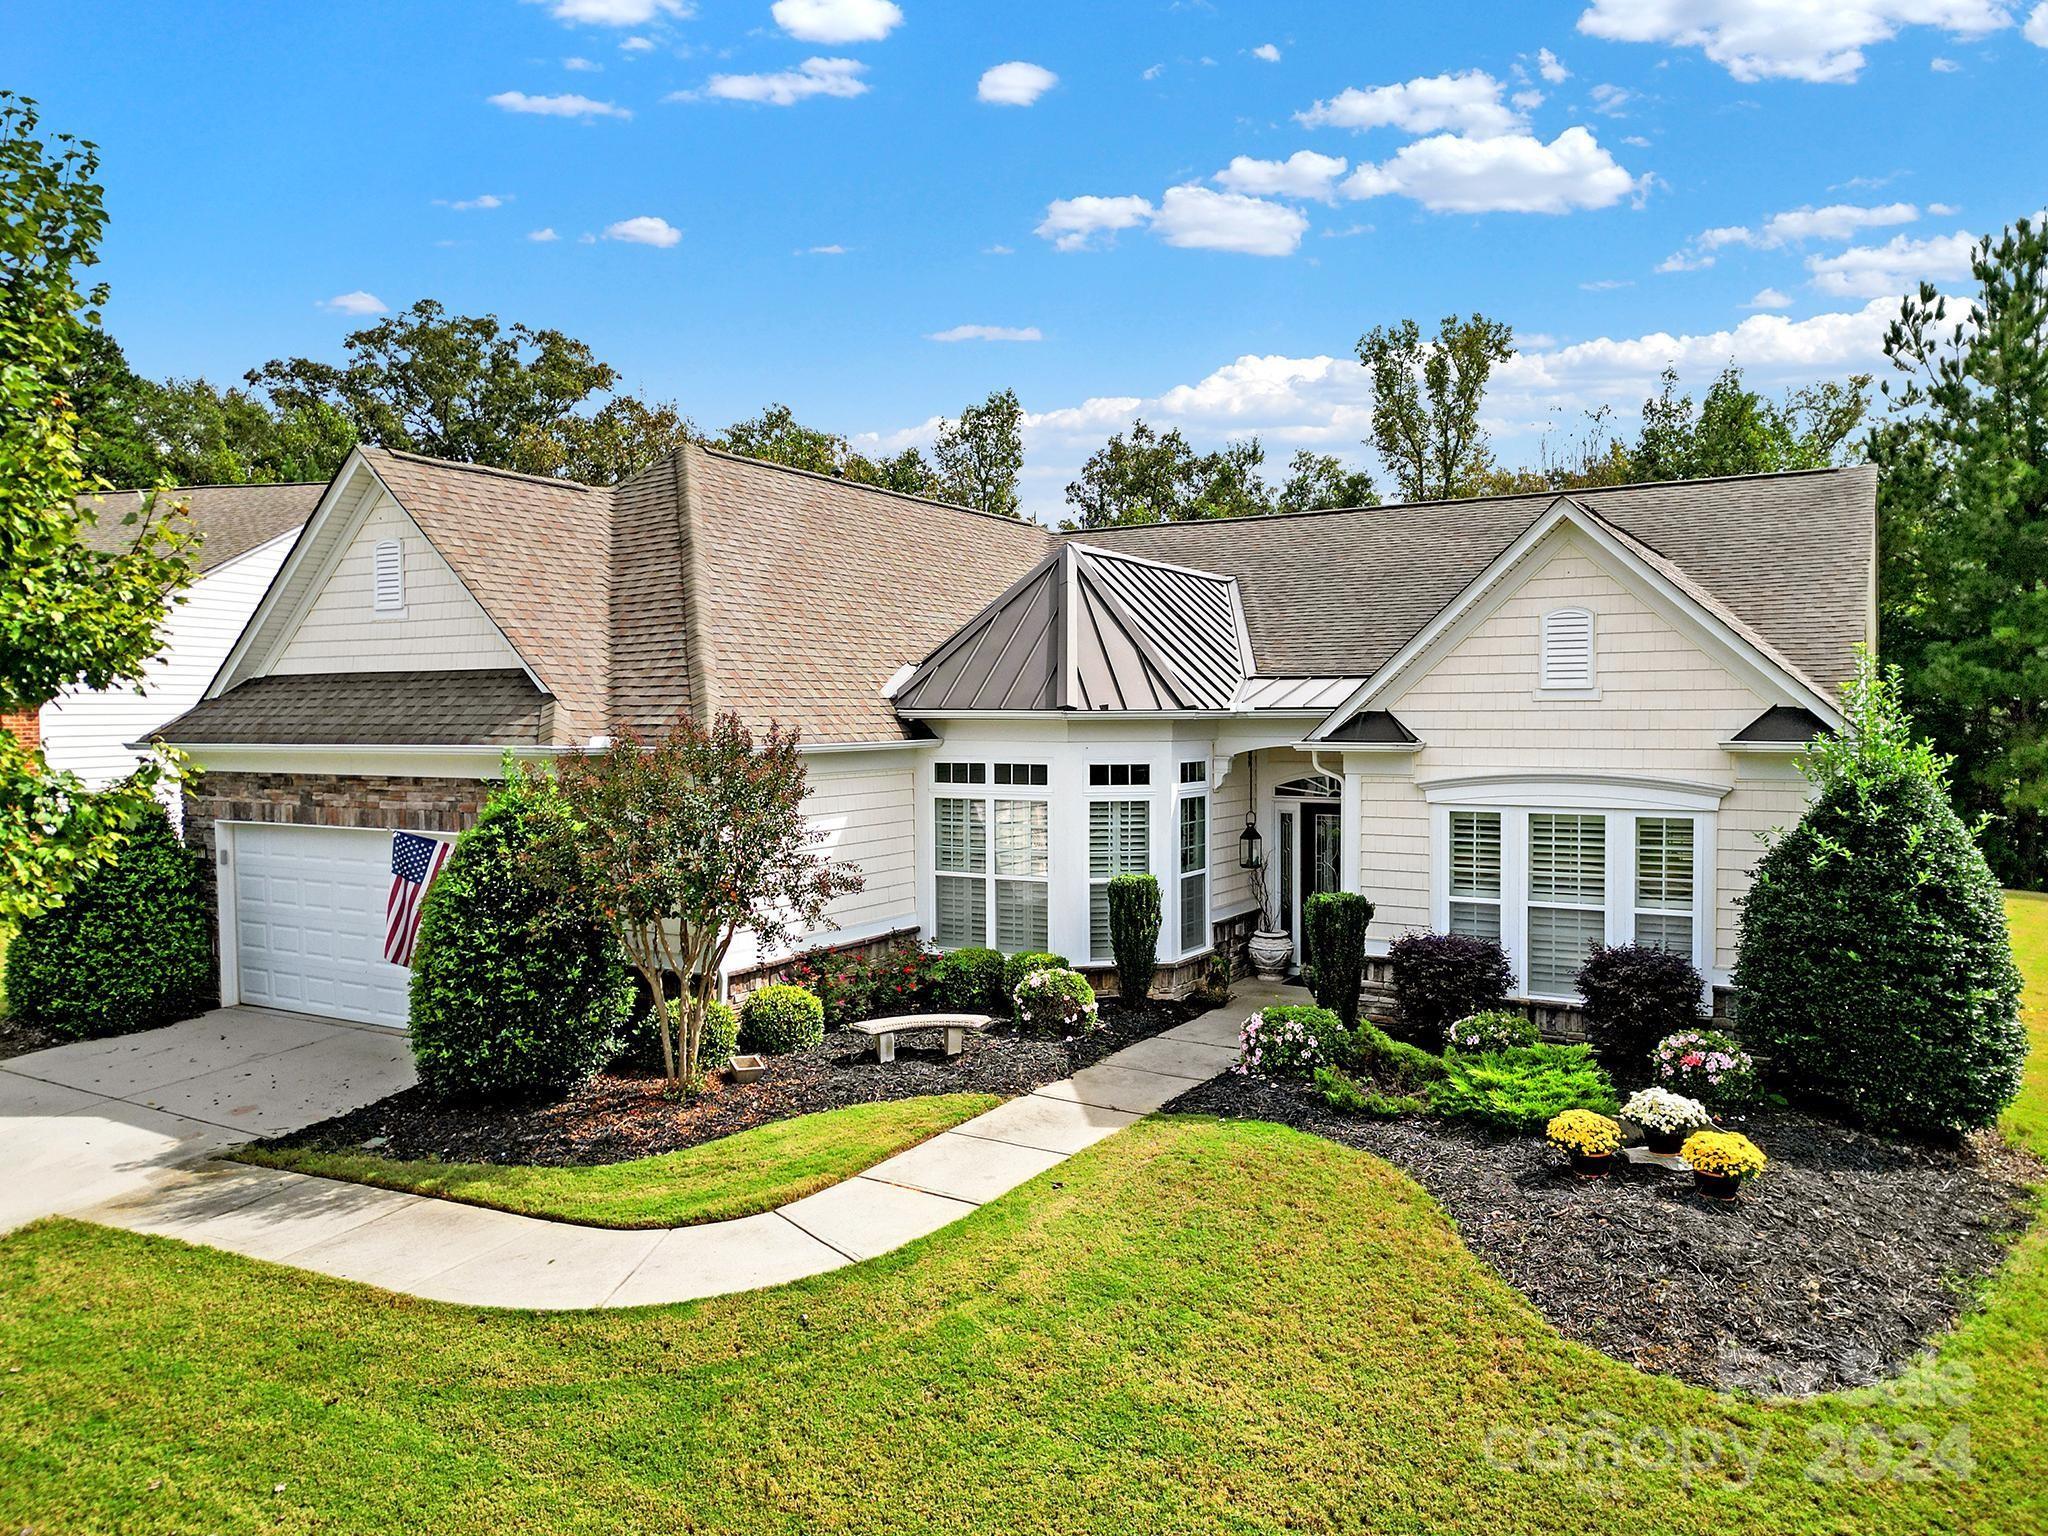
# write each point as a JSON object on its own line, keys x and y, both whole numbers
{"x": 82, "y": 1124}
{"x": 444, "y": 1251}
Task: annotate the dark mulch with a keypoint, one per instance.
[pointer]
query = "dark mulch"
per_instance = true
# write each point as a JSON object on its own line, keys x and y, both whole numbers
{"x": 1832, "y": 1270}
{"x": 18, "y": 1039}
{"x": 622, "y": 1113}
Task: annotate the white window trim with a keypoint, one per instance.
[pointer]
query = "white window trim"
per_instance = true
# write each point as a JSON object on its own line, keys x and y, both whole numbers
{"x": 1515, "y": 810}
{"x": 1127, "y": 793}
{"x": 988, "y": 792}
{"x": 1181, "y": 876}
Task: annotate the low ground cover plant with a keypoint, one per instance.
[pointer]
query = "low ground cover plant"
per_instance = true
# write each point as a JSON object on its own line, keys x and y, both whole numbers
{"x": 129, "y": 949}
{"x": 780, "y": 1018}
{"x": 1497, "y": 1029}
{"x": 1439, "y": 977}
{"x": 1054, "y": 1001}
{"x": 1636, "y": 994}
{"x": 1705, "y": 1064}
{"x": 1521, "y": 1088}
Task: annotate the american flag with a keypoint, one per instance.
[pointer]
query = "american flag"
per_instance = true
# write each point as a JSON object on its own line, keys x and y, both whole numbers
{"x": 415, "y": 862}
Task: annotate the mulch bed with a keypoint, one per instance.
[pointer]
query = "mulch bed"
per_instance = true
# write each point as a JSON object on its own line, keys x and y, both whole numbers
{"x": 1833, "y": 1269}
{"x": 17, "y": 1039}
{"x": 622, "y": 1113}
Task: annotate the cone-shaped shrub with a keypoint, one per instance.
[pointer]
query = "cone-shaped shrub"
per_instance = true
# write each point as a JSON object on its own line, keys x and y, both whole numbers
{"x": 1336, "y": 922}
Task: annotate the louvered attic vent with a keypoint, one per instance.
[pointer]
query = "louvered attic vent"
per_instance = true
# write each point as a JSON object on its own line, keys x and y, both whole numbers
{"x": 1568, "y": 650}
{"x": 387, "y": 577}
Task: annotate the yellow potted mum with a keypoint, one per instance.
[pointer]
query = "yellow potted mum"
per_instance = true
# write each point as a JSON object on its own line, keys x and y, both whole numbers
{"x": 1590, "y": 1140}
{"x": 1721, "y": 1161}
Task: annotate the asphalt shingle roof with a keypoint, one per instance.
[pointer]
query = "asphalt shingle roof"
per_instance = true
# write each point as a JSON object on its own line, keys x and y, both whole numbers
{"x": 497, "y": 708}
{"x": 234, "y": 519}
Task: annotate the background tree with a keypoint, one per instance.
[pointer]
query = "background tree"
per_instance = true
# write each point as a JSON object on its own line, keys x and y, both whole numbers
{"x": 684, "y": 842}
{"x": 1425, "y": 402}
{"x": 69, "y": 613}
{"x": 1963, "y": 538}
{"x": 778, "y": 437}
{"x": 1147, "y": 476}
{"x": 981, "y": 454}
{"x": 1318, "y": 480}
{"x": 1736, "y": 431}
{"x": 620, "y": 438}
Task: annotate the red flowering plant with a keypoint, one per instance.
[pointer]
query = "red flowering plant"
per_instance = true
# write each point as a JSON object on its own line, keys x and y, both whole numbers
{"x": 901, "y": 981}
{"x": 844, "y": 983}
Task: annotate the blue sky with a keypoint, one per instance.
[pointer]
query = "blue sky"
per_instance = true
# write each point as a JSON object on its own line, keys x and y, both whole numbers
{"x": 1141, "y": 202}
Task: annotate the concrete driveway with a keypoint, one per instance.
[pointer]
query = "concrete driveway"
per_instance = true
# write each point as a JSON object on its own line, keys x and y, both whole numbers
{"x": 82, "y": 1124}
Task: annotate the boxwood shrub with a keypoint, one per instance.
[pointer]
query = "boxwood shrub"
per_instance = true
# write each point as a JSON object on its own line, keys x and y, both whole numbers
{"x": 1875, "y": 969}
{"x": 719, "y": 1041}
{"x": 971, "y": 981}
{"x": 129, "y": 949}
{"x": 1335, "y": 924}
{"x": 779, "y": 1018}
{"x": 1521, "y": 1088}
{"x": 1439, "y": 977}
{"x": 518, "y": 991}
{"x": 1134, "y": 935}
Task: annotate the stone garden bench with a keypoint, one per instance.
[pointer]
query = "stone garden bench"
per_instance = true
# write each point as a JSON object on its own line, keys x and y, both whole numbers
{"x": 956, "y": 1025}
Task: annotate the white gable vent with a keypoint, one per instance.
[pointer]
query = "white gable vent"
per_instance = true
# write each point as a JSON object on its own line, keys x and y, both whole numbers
{"x": 387, "y": 576}
{"x": 1568, "y": 649}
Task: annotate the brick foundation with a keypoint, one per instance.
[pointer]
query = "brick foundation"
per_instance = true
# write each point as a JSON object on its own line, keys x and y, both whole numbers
{"x": 26, "y": 726}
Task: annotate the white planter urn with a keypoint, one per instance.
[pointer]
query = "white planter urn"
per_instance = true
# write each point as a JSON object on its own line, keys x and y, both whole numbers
{"x": 1269, "y": 951}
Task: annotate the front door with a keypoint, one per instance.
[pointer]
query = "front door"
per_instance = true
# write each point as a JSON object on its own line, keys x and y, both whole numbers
{"x": 1322, "y": 863}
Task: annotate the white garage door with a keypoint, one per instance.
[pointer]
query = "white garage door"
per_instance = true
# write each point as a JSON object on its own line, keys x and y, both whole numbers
{"x": 309, "y": 922}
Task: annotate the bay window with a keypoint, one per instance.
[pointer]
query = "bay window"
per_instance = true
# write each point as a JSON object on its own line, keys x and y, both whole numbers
{"x": 991, "y": 856}
{"x": 1664, "y": 883}
{"x": 1194, "y": 873}
{"x": 1475, "y": 874}
{"x": 1567, "y": 899}
{"x": 1119, "y": 843}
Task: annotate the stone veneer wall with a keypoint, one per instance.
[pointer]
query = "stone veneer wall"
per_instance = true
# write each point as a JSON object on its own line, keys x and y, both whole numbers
{"x": 1563, "y": 1022}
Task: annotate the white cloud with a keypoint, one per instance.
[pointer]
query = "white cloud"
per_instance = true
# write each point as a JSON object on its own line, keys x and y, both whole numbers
{"x": 1607, "y": 284}
{"x": 1684, "y": 261}
{"x": 2036, "y": 29}
{"x": 1865, "y": 271}
{"x": 543, "y": 236}
{"x": 1769, "y": 298}
{"x": 1015, "y": 84}
{"x": 1837, "y": 221}
{"x": 1072, "y": 223}
{"x": 1942, "y": 210}
{"x": 1198, "y": 219}
{"x": 1550, "y": 67}
{"x": 813, "y": 77}
{"x": 644, "y": 229}
{"x": 569, "y": 105}
{"x": 1764, "y": 40}
{"x": 987, "y": 333}
{"x": 1469, "y": 102}
{"x": 472, "y": 204}
{"x": 837, "y": 21}
{"x": 637, "y": 45}
{"x": 1268, "y": 52}
{"x": 1612, "y": 100}
{"x": 581, "y": 65}
{"x": 1526, "y": 101}
{"x": 1635, "y": 141}
{"x": 1152, "y": 72}
{"x": 615, "y": 13}
{"x": 356, "y": 303}
{"x": 825, "y": 250}
{"x": 1943, "y": 66}
{"x": 1302, "y": 174}
{"x": 998, "y": 250}
{"x": 1514, "y": 173}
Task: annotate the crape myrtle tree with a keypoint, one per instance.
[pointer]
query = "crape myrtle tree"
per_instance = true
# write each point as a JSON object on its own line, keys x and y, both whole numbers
{"x": 683, "y": 843}
{"x": 70, "y": 613}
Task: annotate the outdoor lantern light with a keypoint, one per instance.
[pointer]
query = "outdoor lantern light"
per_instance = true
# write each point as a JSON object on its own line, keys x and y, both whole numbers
{"x": 1249, "y": 854}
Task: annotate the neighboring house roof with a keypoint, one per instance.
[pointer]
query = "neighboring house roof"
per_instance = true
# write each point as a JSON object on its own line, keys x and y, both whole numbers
{"x": 1088, "y": 629}
{"x": 499, "y": 708}
{"x": 1791, "y": 556}
{"x": 234, "y": 519}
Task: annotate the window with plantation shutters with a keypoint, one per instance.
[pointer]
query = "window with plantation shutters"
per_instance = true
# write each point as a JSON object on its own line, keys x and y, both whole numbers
{"x": 1023, "y": 862}
{"x": 1664, "y": 883}
{"x": 1475, "y": 874}
{"x": 1194, "y": 874}
{"x": 1567, "y": 898}
{"x": 960, "y": 847}
{"x": 387, "y": 576}
{"x": 1119, "y": 843}
{"x": 1568, "y": 649}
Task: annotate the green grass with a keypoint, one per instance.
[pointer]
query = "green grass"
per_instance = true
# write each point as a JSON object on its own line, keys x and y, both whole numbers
{"x": 1193, "y": 1326}
{"x": 736, "y": 1175}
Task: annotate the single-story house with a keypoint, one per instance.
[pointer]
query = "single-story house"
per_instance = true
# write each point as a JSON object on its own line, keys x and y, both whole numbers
{"x": 1559, "y": 719}
{"x": 245, "y": 531}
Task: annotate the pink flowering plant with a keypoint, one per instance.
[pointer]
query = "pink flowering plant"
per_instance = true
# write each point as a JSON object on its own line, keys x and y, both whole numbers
{"x": 1705, "y": 1064}
{"x": 1286, "y": 1042}
{"x": 1055, "y": 1001}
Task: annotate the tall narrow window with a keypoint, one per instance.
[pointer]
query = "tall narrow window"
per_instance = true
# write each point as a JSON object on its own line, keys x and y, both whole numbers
{"x": 1194, "y": 873}
{"x": 1119, "y": 843}
{"x": 1664, "y": 883}
{"x": 387, "y": 576}
{"x": 1568, "y": 649}
{"x": 1475, "y": 873}
{"x": 1022, "y": 864}
{"x": 961, "y": 844}
{"x": 1567, "y": 898}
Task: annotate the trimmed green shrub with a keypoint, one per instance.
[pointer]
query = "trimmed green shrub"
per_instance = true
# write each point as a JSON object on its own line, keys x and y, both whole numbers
{"x": 1287, "y": 1040}
{"x": 518, "y": 991}
{"x": 1439, "y": 977}
{"x": 129, "y": 949}
{"x": 1497, "y": 1029}
{"x": 1348, "y": 1096}
{"x": 1055, "y": 1000}
{"x": 1335, "y": 922}
{"x": 720, "y": 1040}
{"x": 1371, "y": 1050}
{"x": 1134, "y": 935}
{"x": 1636, "y": 994}
{"x": 779, "y": 1018}
{"x": 1522, "y": 1088}
{"x": 1875, "y": 968}
{"x": 1017, "y": 967}
{"x": 971, "y": 981}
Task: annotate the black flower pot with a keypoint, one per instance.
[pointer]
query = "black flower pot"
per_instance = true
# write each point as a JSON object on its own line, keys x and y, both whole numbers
{"x": 1591, "y": 1165}
{"x": 1664, "y": 1141}
{"x": 1717, "y": 1186}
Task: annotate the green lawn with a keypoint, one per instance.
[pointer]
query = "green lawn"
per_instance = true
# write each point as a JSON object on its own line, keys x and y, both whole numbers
{"x": 737, "y": 1175}
{"x": 1194, "y": 1326}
